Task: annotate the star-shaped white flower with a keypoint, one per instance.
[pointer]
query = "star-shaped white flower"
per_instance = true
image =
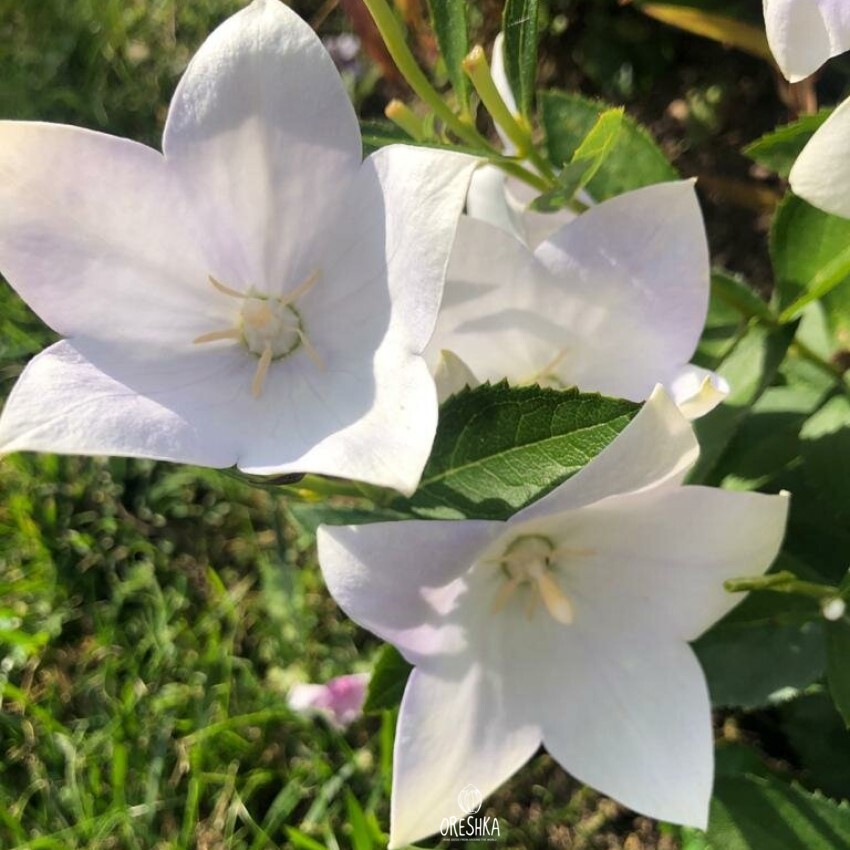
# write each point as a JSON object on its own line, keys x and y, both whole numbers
{"x": 256, "y": 295}
{"x": 567, "y": 625}
{"x": 803, "y": 34}
{"x": 821, "y": 174}
{"x": 613, "y": 301}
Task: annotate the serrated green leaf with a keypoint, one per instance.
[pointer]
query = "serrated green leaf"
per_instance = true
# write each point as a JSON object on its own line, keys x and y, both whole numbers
{"x": 810, "y": 250}
{"x": 634, "y": 161}
{"x": 758, "y": 813}
{"x": 448, "y": 18}
{"x": 519, "y": 25}
{"x": 779, "y": 149}
{"x": 498, "y": 448}
{"x": 838, "y": 666}
{"x": 386, "y": 685}
{"x": 588, "y": 158}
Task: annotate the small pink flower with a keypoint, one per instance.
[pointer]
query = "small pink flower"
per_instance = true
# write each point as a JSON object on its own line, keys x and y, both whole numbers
{"x": 340, "y": 700}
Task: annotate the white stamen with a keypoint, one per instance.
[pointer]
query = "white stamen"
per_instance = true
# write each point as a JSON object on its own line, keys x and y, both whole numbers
{"x": 214, "y": 336}
{"x": 506, "y": 591}
{"x": 262, "y": 371}
{"x": 301, "y": 289}
{"x": 226, "y": 290}
{"x": 311, "y": 352}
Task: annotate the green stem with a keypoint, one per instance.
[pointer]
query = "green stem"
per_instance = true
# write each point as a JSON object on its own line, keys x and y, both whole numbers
{"x": 782, "y": 582}
{"x": 403, "y": 116}
{"x": 394, "y": 38}
{"x": 803, "y": 351}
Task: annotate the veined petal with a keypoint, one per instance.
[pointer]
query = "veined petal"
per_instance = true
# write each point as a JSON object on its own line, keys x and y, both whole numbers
{"x": 98, "y": 240}
{"x": 697, "y": 391}
{"x": 64, "y": 403}
{"x": 400, "y": 579}
{"x": 464, "y": 728}
{"x": 803, "y": 34}
{"x": 821, "y": 173}
{"x": 493, "y": 314}
{"x": 663, "y": 570}
{"x": 637, "y": 272}
{"x": 656, "y": 449}
{"x": 630, "y": 716}
{"x": 266, "y": 143}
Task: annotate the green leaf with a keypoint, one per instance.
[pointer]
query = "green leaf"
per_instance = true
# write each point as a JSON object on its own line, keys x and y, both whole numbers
{"x": 749, "y": 369}
{"x": 589, "y": 157}
{"x": 810, "y": 250}
{"x": 519, "y": 25}
{"x": 389, "y": 677}
{"x": 310, "y": 515}
{"x": 826, "y": 453}
{"x": 768, "y": 644}
{"x": 838, "y": 666}
{"x": 758, "y": 813}
{"x": 499, "y": 448}
{"x": 736, "y": 292}
{"x": 779, "y": 149}
{"x": 377, "y": 133}
{"x": 448, "y": 18}
{"x": 634, "y": 161}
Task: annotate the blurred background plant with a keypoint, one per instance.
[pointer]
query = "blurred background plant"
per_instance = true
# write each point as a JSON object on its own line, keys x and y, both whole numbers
{"x": 153, "y": 618}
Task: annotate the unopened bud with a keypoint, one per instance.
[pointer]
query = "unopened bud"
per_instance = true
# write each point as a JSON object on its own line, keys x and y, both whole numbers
{"x": 833, "y": 609}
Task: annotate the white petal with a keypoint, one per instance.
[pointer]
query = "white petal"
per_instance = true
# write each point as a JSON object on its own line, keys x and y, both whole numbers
{"x": 821, "y": 174}
{"x": 399, "y": 579}
{"x": 266, "y": 143}
{"x": 658, "y": 559}
{"x": 637, "y": 271}
{"x": 503, "y": 86}
{"x": 803, "y": 34}
{"x": 63, "y": 403}
{"x": 493, "y": 314}
{"x": 464, "y": 728}
{"x": 697, "y": 391}
{"x": 452, "y": 375}
{"x": 629, "y": 716}
{"x": 488, "y": 201}
{"x": 656, "y": 449}
{"x": 98, "y": 240}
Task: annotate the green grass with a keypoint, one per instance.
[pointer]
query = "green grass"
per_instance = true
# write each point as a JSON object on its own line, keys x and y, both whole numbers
{"x": 153, "y": 617}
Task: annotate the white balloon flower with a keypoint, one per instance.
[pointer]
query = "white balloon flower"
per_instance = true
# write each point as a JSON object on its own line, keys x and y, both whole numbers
{"x": 257, "y": 295}
{"x": 613, "y": 301}
{"x": 567, "y": 625}
{"x": 803, "y": 34}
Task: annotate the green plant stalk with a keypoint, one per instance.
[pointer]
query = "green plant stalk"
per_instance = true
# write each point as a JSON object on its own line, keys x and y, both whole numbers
{"x": 782, "y": 582}
{"x": 403, "y": 116}
{"x": 476, "y": 68}
{"x": 394, "y": 38}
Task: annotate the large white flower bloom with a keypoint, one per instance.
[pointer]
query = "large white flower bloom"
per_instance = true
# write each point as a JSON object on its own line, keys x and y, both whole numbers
{"x": 567, "y": 625}
{"x": 613, "y": 301}
{"x": 803, "y": 34}
{"x": 255, "y": 296}
{"x": 821, "y": 174}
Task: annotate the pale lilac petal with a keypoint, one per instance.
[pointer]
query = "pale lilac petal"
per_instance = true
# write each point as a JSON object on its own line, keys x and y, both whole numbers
{"x": 803, "y": 34}
{"x": 98, "y": 240}
{"x": 493, "y": 315}
{"x": 821, "y": 174}
{"x": 63, "y": 403}
{"x": 266, "y": 150}
{"x": 697, "y": 391}
{"x": 464, "y": 728}
{"x": 637, "y": 272}
{"x": 629, "y": 715}
{"x": 663, "y": 570}
{"x": 400, "y": 579}
{"x": 656, "y": 449}
{"x": 340, "y": 699}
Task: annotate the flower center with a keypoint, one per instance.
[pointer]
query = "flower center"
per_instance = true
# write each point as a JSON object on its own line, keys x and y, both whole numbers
{"x": 269, "y": 327}
{"x": 528, "y": 564}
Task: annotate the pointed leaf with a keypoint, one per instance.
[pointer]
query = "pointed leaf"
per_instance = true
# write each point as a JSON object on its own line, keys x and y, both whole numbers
{"x": 448, "y": 18}
{"x": 500, "y": 448}
{"x": 779, "y": 149}
{"x": 389, "y": 677}
{"x": 519, "y": 24}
